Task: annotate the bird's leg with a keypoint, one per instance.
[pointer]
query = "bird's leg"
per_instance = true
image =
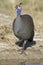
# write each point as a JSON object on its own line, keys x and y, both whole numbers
{"x": 20, "y": 43}
{"x": 23, "y": 48}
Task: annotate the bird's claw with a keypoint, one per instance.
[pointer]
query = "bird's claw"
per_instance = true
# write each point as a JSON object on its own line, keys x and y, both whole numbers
{"x": 21, "y": 51}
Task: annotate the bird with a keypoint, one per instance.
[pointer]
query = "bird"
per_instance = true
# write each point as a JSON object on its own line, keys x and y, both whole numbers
{"x": 23, "y": 28}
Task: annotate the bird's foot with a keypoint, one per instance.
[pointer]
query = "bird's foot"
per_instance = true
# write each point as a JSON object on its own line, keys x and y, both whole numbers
{"x": 21, "y": 51}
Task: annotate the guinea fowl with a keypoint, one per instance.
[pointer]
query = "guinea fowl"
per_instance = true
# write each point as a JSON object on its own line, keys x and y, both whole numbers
{"x": 23, "y": 28}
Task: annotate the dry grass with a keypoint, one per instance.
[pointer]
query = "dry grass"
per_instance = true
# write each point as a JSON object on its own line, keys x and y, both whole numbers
{"x": 6, "y": 7}
{"x": 32, "y": 7}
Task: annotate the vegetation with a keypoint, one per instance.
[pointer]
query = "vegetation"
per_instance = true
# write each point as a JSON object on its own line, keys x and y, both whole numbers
{"x": 6, "y": 7}
{"x": 35, "y": 5}
{"x": 32, "y": 7}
